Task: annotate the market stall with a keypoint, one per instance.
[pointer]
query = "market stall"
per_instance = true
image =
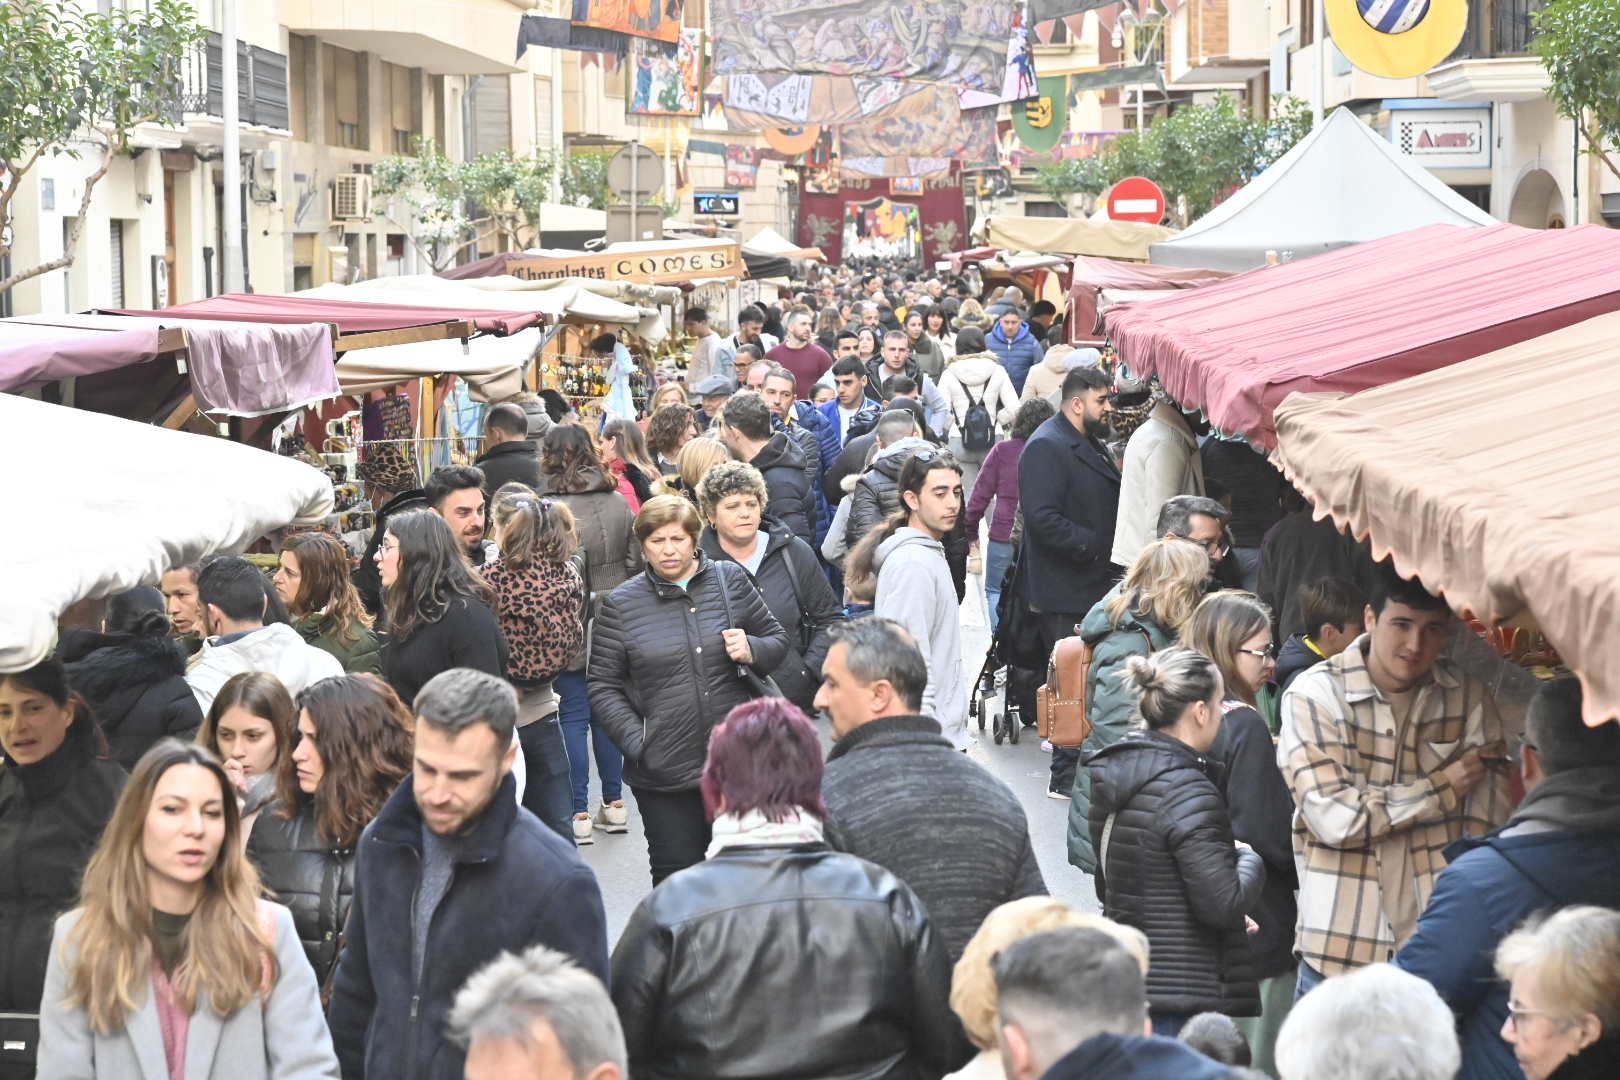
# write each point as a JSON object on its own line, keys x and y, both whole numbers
{"x": 1073, "y": 236}
{"x": 1494, "y": 481}
{"x": 1089, "y": 277}
{"x": 1342, "y": 184}
{"x": 1363, "y": 316}
{"x": 161, "y": 498}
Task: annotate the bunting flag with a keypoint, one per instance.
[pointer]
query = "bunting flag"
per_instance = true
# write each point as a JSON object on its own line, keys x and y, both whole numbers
{"x": 958, "y": 43}
{"x": 742, "y": 167}
{"x": 658, "y": 19}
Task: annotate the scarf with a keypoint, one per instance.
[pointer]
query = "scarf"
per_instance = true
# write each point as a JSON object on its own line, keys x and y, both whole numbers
{"x": 753, "y": 829}
{"x": 1579, "y": 799}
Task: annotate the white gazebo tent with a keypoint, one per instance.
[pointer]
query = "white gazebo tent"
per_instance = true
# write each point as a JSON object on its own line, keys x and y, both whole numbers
{"x": 126, "y": 501}
{"x": 1342, "y": 184}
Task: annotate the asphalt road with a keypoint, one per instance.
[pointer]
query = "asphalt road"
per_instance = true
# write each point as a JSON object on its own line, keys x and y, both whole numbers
{"x": 620, "y": 861}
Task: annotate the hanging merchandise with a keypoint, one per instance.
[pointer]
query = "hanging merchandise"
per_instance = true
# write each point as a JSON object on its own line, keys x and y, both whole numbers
{"x": 1398, "y": 39}
{"x": 1040, "y": 121}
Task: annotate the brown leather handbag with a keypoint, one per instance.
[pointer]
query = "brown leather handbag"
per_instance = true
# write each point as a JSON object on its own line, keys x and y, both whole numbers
{"x": 1060, "y": 704}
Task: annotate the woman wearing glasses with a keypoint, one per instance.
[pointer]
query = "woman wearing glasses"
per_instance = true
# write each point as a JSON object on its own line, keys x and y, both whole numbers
{"x": 1234, "y": 629}
{"x": 1564, "y": 1013}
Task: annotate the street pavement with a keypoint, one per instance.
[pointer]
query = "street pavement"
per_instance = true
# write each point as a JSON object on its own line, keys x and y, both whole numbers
{"x": 620, "y": 861}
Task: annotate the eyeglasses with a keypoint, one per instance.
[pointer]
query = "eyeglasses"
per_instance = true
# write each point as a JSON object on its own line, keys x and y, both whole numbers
{"x": 1263, "y": 654}
{"x": 1517, "y": 1014}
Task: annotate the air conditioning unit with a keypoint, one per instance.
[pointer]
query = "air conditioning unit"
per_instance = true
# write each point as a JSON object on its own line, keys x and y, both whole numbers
{"x": 351, "y": 197}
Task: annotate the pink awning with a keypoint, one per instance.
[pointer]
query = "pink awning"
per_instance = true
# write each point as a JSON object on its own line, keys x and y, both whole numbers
{"x": 32, "y": 354}
{"x": 1092, "y": 275}
{"x": 350, "y": 318}
{"x": 1364, "y": 316}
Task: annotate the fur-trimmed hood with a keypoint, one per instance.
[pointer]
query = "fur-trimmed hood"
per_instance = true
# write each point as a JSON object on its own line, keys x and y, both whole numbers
{"x": 100, "y": 664}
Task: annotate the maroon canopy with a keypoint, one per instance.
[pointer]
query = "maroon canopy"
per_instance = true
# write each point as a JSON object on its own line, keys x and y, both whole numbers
{"x": 1091, "y": 275}
{"x": 488, "y": 266}
{"x": 32, "y": 354}
{"x": 1363, "y": 316}
{"x": 350, "y": 317}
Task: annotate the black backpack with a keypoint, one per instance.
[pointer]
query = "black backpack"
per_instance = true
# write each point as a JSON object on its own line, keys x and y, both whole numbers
{"x": 978, "y": 429}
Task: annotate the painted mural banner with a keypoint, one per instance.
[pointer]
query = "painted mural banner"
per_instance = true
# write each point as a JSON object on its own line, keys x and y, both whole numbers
{"x": 663, "y": 85}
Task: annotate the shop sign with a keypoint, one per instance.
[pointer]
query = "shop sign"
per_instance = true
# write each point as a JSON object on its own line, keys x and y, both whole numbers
{"x": 1444, "y": 138}
{"x": 655, "y": 267}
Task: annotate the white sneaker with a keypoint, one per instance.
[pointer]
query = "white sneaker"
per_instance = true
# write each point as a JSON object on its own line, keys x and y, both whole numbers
{"x": 613, "y": 819}
{"x": 582, "y": 830}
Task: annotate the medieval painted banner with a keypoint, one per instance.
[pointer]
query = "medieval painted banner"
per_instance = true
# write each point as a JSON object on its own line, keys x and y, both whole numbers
{"x": 659, "y": 19}
{"x": 662, "y": 85}
{"x": 960, "y": 43}
{"x": 742, "y": 167}
{"x": 643, "y": 264}
{"x": 1039, "y": 121}
{"x": 924, "y": 125}
{"x": 823, "y": 216}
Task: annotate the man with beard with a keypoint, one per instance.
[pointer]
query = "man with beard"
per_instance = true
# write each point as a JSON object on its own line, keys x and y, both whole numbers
{"x": 1068, "y": 490}
{"x": 456, "y": 493}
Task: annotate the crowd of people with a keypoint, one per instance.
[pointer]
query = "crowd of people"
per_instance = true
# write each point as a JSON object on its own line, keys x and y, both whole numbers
{"x": 317, "y": 814}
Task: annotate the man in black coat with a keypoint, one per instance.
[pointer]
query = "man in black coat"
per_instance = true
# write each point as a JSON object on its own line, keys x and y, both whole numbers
{"x": 1068, "y": 490}
{"x": 746, "y": 429}
{"x": 898, "y": 794}
{"x": 509, "y": 456}
{"x": 451, "y": 874}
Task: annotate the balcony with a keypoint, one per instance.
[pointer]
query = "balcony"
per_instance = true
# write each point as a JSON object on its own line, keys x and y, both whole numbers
{"x": 261, "y": 98}
{"x": 1493, "y": 62}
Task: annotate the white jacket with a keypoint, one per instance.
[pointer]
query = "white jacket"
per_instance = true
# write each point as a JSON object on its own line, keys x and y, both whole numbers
{"x": 277, "y": 649}
{"x": 1161, "y": 461}
{"x": 981, "y": 376}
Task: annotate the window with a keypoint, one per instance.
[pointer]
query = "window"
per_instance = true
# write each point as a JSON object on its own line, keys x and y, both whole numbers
{"x": 404, "y": 107}
{"x": 543, "y": 134}
{"x": 345, "y": 102}
{"x": 492, "y": 114}
{"x": 297, "y": 89}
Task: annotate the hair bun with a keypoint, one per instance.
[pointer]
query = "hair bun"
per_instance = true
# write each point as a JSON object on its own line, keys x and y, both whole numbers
{"x": 150, "y": 624}
{"x": 1144, "y": 672}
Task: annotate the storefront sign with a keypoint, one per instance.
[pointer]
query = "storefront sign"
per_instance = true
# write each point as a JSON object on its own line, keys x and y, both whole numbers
{"x": 654, "y": 267}
{"x": 1443, "y": 138}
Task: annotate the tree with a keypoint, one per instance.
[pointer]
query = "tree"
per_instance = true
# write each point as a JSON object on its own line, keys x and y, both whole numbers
{"x": 75, "y": 81}
{"x": 450, "y": 206}
{"x": 584, "y": 179}
{"x": 1579, "y": 43}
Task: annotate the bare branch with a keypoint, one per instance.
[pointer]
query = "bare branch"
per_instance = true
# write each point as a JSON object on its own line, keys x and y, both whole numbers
{"x": 66, "y": 258}
{"x": 1596, "y": 141}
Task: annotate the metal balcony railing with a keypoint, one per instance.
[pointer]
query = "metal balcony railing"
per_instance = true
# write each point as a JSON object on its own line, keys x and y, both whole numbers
{"x": 261, "y": 77}
{"x": 1499, "y": 28}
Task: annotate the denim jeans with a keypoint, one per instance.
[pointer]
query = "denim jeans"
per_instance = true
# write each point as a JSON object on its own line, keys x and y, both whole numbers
{"x": 998, "y": 557}
{"x": 582, "y": 737}
{"x": 1309, "y": 979}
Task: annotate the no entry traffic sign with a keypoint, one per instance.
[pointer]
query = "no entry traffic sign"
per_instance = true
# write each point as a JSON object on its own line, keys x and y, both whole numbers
{"x": 1136, "y": 198}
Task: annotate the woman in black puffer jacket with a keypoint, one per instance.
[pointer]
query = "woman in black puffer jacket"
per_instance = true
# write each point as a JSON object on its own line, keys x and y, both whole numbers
{"x": 1167, "y": 863}
{"x": 132, "y": 675}
{"x": 667, "y": 663}
{"x": 353, "y": 749}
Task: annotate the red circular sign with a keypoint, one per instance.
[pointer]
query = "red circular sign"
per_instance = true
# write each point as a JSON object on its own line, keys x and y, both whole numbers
{"x": 1136, "y": 198}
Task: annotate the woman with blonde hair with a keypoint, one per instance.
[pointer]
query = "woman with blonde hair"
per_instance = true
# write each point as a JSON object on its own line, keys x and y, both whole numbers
{"x": 1139, "y": 616}
{"x": 171, "y": 966}
{"x": 697, "y": 457}
{"x": 1564, "y": 1012}
{"x": 973, "y": 982}
{"x": 625, "y": 450}
{"x": 670, "y": 393}
{"x": 1233, "y": 629}
{"x": 313, "y": 580}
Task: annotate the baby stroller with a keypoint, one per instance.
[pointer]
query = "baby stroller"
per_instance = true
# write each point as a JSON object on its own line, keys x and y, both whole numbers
{"x": 1016, "y": 645}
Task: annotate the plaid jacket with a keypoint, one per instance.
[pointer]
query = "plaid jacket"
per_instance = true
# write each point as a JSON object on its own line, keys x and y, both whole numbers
{"x": 1371, "y": 817}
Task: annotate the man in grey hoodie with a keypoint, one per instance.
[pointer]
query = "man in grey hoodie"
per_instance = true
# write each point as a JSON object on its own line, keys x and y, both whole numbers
{"x": 914, "y": 586}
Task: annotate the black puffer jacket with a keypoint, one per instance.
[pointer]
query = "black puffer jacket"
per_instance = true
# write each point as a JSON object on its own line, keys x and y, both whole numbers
{"x": 660, "y": 678}
{"x": 803, "y": 601}
{"x": 877, "y": 496}
{"x": 781, "y": 462}
{"x": 314, "y": 880}
{"x": 1170, "y": 869}
{"x": 135, "y": 685}
{"x": 51, "y": 817}
{"x": 737, "y": 929}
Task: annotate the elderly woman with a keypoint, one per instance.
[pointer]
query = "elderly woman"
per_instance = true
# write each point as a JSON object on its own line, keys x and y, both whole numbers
{"x": 675, "y": 648}
{"x": 775, "y": 916}
{"x": 973, "y": 983}
{"x": 1564, "y": 1014}
{"x": 733, "y": 501}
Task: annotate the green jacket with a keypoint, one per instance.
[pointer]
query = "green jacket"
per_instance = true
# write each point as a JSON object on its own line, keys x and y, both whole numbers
{"x": 360, "y": 654}
{"x": 1110, "y": 707}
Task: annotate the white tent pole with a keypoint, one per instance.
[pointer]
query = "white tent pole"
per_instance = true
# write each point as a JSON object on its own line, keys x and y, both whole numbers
{"x": 1319, "y": 99}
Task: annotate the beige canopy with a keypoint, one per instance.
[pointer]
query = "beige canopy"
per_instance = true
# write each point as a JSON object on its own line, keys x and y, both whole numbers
{"x": 1493, "y": 480}
{"x": 1075, "y": 236}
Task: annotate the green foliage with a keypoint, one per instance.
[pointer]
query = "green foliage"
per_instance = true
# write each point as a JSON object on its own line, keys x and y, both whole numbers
{"x": 452, "y": 205}
{"x": 1201, "y": 153}
{"x": 584, "y": 179}
{"x": 1579, "y": 43}
{"x": 71, "y": 78}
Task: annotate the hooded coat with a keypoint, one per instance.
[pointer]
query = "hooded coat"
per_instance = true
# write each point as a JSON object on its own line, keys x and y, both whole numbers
{"x": 929, "y": 356}
{"x": 935, "y": 408}
{"x": 1171, "y": 870}
{"x": 515, "y": 462}
{"x": 979, "y": 377}
{"x": 1020, "y": 354}
{"x": 781, "y": 462}
{"x": 135, "y": 685}
{"x": 1045, "y": 379}
{"x": 276, "y": 648}
{"x": 360, "y": 652}
{"x": 914, "y": 588}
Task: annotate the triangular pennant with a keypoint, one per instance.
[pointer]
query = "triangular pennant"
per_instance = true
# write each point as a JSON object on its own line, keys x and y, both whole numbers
{"x": 1045, "y": 30}
{"x": 1076, "y": 24}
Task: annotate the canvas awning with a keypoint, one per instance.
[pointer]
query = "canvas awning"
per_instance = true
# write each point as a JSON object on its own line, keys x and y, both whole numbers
{"x": 1074, "y": 236}
{"x": 349, "y": 317}
{"x": 427, "y": 291}
{"x": 126, "y": 501}
{"x": 1091, "y": 276}
{"x": 769, "y": 242}
{"x": 32, "y": 354}
{"x": 1494, "y": 481}
{"x": 1341, "y": 184}
{"x": 492, "y": 366}
{"x": 1364, "y": 316}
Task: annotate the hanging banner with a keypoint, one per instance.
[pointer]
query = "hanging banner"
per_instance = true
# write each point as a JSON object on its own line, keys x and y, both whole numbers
{"x": 928, "y": 125}
{"x": 659, "y": 19}
{"x": 1398, "y": 39}
{"x": 822, "y": 216}
{"x": 1019, "y": 82}
{"x": 663, "y": 85}
{"x": 742, "y": 167}
{"x": 959, "y": 43}
{"x": 1040, "y": 121}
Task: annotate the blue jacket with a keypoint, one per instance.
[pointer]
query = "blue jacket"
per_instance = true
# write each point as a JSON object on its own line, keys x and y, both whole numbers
{"x": 807, "y": 418}
{"x": 1135, "y": 1057}
{"x": 515, "y": 884}
{"x": 1492, "y": 884}
{"x": 1018, "y": 355}
{"x": 859, "y": 424}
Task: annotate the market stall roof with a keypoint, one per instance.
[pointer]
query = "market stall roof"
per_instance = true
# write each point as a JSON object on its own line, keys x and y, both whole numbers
{"x": 1074, "y": 236}
{"x": 492, "y": 366}
{"x": 958, "y": 259}
{"x": 161, "y": 498}
{"x": 427, "y": 291}
{"x": 656, "y": 262}
{"x": 348, "y": 316}
{"x": 770, "y": 242}
{"x": 1341, "y": 184}
{"x": 1494, "y": 481}
{"x": 33, "y": 353}
{"x": 1364, "y": 316}
{"x": 1090, "y": 276}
